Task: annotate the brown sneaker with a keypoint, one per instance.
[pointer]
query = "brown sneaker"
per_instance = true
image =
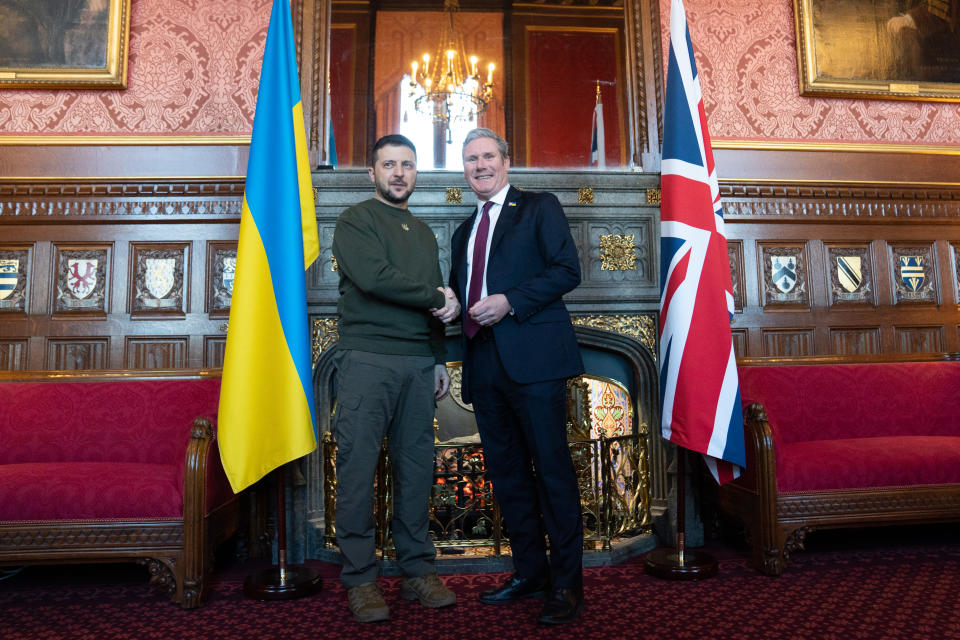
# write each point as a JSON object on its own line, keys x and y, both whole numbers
{"x": 366, "y": 603}
{"x": 428, "y": 590}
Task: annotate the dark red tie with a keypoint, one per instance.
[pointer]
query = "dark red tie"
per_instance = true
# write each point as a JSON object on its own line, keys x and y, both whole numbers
{"x": 477, "y": 268}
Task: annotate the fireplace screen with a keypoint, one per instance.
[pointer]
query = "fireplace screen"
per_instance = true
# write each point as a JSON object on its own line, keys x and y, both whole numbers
{"x": 609, "y": 453}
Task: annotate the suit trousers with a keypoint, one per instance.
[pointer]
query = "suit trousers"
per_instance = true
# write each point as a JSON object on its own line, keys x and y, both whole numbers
{"x": 384, "y": 395}
{"x": 523, "y": 430}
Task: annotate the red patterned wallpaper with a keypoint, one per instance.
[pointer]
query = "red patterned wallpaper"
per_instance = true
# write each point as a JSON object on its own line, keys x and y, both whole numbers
{"x": 746, "y": 57}
{"x": 193, "y": 71}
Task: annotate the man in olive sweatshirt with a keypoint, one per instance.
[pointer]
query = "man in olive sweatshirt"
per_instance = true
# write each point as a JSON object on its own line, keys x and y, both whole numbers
{"x": 390, "y": 372}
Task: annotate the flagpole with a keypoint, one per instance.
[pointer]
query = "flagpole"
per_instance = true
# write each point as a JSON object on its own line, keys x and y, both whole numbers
{"x": 282, "y": 581}
{"x": 679, "y": 563}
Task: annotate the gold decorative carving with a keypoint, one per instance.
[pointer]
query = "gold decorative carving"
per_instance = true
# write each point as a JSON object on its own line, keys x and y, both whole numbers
{"x": 333, "y": 264}
{"x": 456, "y": 384}
{"x": 653, "y": 196}
{"x": 454, "y": 195}
{"x": 325, "y": 334}
{"x": 618, "y": 252}
{"x": 585, "y": 195}
{"x": 639, "y": 327}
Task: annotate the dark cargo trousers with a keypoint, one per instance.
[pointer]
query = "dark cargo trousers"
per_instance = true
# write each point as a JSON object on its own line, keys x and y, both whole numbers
{"x": 384, "y": 395}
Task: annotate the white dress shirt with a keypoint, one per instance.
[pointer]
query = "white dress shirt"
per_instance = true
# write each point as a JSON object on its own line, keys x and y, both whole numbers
{"x": 494, "y": 215}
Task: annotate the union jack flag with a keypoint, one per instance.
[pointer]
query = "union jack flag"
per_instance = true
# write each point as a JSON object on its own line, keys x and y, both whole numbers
{"x": 699, "y": 388}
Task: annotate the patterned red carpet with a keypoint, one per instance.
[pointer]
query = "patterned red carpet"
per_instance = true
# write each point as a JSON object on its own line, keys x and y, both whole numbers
{"x": 840, "y": 588}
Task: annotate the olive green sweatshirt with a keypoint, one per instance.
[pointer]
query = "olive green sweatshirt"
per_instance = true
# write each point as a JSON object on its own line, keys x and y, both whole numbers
{"x": 389, "y": 273}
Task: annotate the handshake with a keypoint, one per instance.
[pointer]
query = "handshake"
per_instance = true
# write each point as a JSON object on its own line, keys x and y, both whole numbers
{"x": 451, "y": 307}
{"x": 486, "y": 312}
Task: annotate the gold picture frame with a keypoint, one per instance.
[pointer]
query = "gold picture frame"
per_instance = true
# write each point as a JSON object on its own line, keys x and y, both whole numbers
{"x": 55, "y": 44}
{"x": 886, "y": 49}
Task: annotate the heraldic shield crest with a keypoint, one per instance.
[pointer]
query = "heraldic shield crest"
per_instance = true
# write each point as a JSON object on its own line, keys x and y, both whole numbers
{"x": 783, "y": 271}
{"x": 158, "y": 277}
{"x": 849, "y": 272}
{"x": 9, "y": 272}
{"x": 911, "y": 272}
{"x": 81, "y": 276}
{"x": 229, "y": 271}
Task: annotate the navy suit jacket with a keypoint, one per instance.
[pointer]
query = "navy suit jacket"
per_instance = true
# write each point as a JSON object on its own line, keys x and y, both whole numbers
{"x": 534, "y": 262}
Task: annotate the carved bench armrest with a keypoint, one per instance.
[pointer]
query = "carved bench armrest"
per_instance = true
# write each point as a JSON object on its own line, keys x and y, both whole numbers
{"x": 760, "y": 450}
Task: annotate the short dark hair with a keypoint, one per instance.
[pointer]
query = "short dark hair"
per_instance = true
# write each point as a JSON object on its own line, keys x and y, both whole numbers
{"x": 481, "y": 132}
{"x": 394, "y": 139}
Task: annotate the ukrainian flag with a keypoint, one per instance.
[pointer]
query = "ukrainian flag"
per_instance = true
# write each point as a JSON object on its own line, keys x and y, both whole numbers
{"x": 266, "y": 416}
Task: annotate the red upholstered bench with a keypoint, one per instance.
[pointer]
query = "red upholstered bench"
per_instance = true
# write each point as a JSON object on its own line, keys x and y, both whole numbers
{"x": 834, "y": 443}
{"x": 114, "y": 466}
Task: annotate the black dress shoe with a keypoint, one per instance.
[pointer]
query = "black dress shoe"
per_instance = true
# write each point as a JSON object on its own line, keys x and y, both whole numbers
{"x": 515, "y": 588}
{"x": 562, "y": 606}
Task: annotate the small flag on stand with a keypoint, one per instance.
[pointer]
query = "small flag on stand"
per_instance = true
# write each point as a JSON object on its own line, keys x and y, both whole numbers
{"x": 266, "y": 415}
{"x": 598, "y": 150}
{"x": 700, "y": 391}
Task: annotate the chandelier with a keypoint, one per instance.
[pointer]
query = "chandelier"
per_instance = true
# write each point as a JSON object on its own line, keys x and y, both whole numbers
{"x": 448, "y": 86}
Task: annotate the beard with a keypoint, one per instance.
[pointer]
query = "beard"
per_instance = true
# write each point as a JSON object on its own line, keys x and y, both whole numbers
{"x": 386, "y": 194}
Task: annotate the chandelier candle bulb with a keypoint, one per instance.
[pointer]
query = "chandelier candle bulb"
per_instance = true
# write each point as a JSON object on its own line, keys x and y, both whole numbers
{"x": 490, "y": 68}
{"x": 473, "y": 66}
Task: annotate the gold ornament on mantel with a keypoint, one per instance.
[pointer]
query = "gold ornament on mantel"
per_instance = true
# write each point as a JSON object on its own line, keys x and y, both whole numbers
{"x": 618, "y": 252}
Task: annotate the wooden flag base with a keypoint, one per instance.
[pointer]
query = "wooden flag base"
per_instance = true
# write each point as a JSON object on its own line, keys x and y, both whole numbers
{"x": 295, "y": 581}
{"x": 680, "y": 564}
{"x": 667, "y": 564}
{"x": 283, "y": 581}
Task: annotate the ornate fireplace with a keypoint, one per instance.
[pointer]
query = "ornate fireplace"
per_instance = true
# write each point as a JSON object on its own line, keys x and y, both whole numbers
{"x": 609, "y": 412}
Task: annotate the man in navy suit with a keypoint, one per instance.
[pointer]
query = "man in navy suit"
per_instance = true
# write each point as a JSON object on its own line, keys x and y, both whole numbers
{"x": 512, "y": 262}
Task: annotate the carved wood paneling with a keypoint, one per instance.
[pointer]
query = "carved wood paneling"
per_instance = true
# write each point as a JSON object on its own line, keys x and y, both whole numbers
{"x": 13, "y": 354}
{"x": 77, "y": 353}
{"x": 213, "y": 349}
{"x": 782, "y": 343}
{"x": 849, "y": 341}
{"x": 739, "y": 342}
{"x": 70, "y": 199}
{"x": 816, "y": 202}
{"x": 735, "y": 256}
{"x": 920, "y": 339}
{"x": 880, "y": 264}
{"x": 156, "y": 352}
{"x": 221, "y": 268}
